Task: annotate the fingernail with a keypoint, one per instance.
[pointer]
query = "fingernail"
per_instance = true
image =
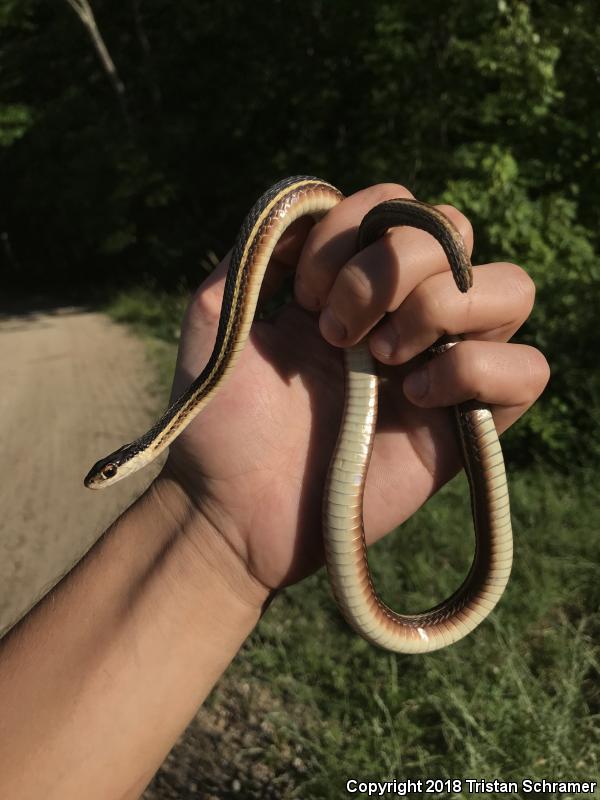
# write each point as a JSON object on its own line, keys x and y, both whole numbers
{"x": 331, "y": 328}
{"x": 416, "y": 384}
{"x": 383, "y": 342}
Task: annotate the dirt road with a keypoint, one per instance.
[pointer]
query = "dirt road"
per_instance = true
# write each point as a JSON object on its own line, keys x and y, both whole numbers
{"x": 70, "y": 394}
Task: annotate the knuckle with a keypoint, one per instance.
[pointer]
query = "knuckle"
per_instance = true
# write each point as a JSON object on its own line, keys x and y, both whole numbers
{"x": 357, "y": 285}
{"x": 467, "y": 370}
{"x": 466, "y": 365}
{"x": 308, "y": 294}
{"x": 205, "y": 305}
{"x": 446, "y": 376}
{"x": 427, "y": 305}
{"x": 389, "y": 191}
{"x": 538, "y": 370}
{"x": 388, "y": 251}
{"x": 520, "y": 283}
{"x": 389, "y": 264}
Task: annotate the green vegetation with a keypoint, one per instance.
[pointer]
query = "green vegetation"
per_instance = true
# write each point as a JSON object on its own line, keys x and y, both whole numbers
{"x": 109, "y": 177}
{"x": 519, "y": 698}
{"x": 155, "y": 314}
{"x": 150, "y": 310}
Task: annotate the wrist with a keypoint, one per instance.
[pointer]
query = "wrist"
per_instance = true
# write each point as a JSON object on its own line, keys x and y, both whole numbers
{"x": 201, "y": 549}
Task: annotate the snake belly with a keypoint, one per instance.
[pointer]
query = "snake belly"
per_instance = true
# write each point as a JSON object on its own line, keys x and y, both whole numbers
{"x": 343, "y": 531}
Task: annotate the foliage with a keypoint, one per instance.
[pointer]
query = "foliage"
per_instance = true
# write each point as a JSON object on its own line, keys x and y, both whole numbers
{"x": 489, "y": 105}
{"x": 150, "y": 310}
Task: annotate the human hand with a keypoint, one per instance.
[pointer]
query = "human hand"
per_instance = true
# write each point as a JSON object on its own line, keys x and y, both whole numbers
{"x": 253, "y": 464}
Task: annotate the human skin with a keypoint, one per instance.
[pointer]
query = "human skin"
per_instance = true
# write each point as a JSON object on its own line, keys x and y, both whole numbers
{"x": 100, "y": 678}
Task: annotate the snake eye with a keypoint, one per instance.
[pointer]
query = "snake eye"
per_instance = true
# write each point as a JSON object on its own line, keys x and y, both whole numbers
{"x": 109, "y": 471}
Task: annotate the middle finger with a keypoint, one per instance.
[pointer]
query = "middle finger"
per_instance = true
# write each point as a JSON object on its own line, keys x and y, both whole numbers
{"x": 380, "y": 277}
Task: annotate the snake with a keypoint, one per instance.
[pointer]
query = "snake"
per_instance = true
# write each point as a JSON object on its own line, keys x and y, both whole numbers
{"x": 342, "y": 516}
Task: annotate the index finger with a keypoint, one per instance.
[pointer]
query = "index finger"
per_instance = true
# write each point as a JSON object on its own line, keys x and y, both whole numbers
{"x": 332, "y": 243}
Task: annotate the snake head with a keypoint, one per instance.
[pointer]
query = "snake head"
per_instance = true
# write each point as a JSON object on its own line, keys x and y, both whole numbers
{"x": 110, "y": 469}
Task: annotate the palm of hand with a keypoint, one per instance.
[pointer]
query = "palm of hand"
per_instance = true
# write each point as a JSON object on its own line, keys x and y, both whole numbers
{"x": 256, "y": 458}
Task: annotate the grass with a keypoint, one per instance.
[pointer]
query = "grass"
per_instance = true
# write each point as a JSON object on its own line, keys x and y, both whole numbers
{"x": 156, "y": 315}
{"x": 149, "y": 310}
{"x": 518, "y": 698}
{"x": 308, "y": 705}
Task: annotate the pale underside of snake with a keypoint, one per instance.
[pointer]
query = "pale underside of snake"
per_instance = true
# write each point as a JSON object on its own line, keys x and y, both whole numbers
{"x": 343, "y": 532}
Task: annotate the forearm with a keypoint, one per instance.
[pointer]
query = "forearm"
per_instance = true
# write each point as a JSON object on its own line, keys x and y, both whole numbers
{"x": 99, "y": 679}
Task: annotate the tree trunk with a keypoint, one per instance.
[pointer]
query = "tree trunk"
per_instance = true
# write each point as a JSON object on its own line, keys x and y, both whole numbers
{"x": 84, "y": 11}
